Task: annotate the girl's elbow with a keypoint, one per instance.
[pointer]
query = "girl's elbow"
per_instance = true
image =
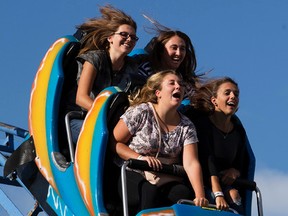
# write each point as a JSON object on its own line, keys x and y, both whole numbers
{"x": 78, "y": 101}
{"x": 191, "y": 165}
{"x": 83, "y": 101}
{"x": 187, "y": 166}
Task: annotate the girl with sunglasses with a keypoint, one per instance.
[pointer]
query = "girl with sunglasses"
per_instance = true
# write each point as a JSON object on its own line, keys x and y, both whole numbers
{"x": 102, "y": 60}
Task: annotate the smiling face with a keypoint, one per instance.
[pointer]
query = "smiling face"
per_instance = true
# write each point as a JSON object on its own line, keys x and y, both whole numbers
{"x": 227, "y": 98}
{"x": 172, "y": 91}
{"x": 120, "y": 44}
{"x": 174, "y": 53}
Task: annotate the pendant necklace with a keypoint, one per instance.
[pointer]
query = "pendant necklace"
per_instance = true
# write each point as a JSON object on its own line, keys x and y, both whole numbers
{"x": 167, "y": 135}
{"x": 224, "y": 134}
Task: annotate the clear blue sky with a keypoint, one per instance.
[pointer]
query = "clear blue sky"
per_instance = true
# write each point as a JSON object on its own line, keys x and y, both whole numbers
{"x": 246, "y": 40}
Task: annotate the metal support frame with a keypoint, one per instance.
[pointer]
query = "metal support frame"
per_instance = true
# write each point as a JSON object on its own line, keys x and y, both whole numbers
{"x": 7, "y": 145}
{"x": 124, "y": 188}
{"x": 259, "y": 201}
{"x": 68, "y": 117}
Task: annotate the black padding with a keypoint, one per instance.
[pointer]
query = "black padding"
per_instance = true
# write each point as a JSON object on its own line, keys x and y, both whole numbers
{"x": 23, "y": 154}
{"x": 172, "y": 169}
{"x": 117, "y": 107}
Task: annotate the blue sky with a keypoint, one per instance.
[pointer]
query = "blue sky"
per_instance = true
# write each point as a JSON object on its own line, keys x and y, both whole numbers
{"x": 246, "y": 40}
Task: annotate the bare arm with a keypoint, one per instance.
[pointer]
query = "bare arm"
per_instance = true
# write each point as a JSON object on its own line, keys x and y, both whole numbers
{"x": 121, "y": 136}
{"x": 85, "y": 84}
{"x": 193, "y": 169}
{"x": 219, "y": 198}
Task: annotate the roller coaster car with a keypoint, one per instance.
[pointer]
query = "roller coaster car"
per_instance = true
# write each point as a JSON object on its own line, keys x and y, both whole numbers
{"x": 82, "y": 181}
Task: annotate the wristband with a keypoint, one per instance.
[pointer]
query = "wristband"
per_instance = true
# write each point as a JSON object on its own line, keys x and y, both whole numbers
{"x": 218, "y": 194}
{"x": 139, "y": 157}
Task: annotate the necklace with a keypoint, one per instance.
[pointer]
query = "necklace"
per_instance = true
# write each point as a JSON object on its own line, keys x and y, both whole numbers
{"x": 224, "y": 134}
{"x": 218, "y": 128}
{"x": 227, "y": 133}
{"x": 163, "y": 124}
{"x": 167, "y": 134}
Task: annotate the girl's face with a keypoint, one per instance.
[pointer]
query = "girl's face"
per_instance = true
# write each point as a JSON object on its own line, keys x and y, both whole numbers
{"x": 123, "y": 40}
{"x": 227, "y": 99}
{"x": 172, "y": 90}
{"x": 174, "y": 53}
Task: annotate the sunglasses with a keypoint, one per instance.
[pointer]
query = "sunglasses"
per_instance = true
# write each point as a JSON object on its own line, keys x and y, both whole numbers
{"x": 126, "y": 35}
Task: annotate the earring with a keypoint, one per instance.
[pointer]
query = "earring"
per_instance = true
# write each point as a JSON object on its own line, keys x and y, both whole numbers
{"x": 109, "y": 40}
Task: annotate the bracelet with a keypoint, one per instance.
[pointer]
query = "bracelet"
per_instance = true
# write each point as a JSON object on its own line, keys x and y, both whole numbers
{"x": 218, "y": 194}
{"x": 139, "y": 157}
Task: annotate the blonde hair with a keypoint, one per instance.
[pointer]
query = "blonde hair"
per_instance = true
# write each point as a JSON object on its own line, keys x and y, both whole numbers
{"x": 153, "y": 83}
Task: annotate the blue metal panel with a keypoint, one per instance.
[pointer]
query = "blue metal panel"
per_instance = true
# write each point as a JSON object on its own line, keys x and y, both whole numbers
{"x": 100, "y": 140}
{"x": 65, "y": 181}
{"x": 8, "y": 205}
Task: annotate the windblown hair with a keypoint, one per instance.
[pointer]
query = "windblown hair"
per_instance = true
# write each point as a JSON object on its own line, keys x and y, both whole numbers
{"x": 153, "y": 83}
{"x": 201, "y": 99}
{"x": 156, "y": 47}
{"x": 97, "y": 30}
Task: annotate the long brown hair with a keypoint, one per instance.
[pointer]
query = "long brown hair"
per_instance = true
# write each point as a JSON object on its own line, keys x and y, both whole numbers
{"x": 157, "y": 45}
{"x": 97, "y": 30}
{"x": 201, "y": 99}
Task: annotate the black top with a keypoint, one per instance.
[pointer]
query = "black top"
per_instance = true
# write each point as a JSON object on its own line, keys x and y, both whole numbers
{"x": 126, "y": 79}
{"x": 217, "y": 150}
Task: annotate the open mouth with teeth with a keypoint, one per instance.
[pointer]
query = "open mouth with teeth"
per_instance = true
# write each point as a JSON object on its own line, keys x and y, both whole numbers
{"x": 232, "y": 104}
{"x": 176, "y": 60}
{"x": 127, "y": 45}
